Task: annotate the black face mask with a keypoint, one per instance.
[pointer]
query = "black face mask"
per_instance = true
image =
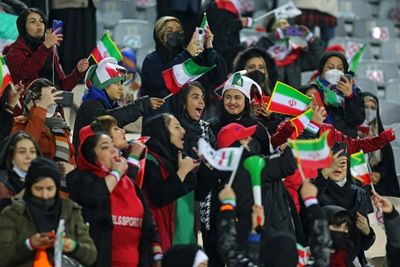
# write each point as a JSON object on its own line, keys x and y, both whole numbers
{"x": 339, "y": 239}
{"x": 175, "y": 39}
{"x": 256, "y": 76}
{"x": 43, "y": 203}
{"x": 254, "y": 146}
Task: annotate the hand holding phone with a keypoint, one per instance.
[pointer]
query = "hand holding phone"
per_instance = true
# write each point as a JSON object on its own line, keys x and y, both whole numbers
{"x": 294, "y": 31}
{"x": 57, "y": 26}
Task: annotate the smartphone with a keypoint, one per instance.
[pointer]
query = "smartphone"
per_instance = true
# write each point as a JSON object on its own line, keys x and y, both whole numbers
{"x": 340, "y": 146}
{"x": 318, "y": 99}
{"x": 57, "y": 26}
{"x": 293, "y": 31}
{"x": 67, "y": 99}
{"x": 348, "y": 76}
{"x": 200, "y": 35}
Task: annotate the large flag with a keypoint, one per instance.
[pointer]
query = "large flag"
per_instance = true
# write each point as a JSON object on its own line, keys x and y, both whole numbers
{"x": 359, "y": 168}
{"x": 5, "y": 76}
{"x": 287, "y": 10}
{"x": 287, "y": 100}
{"x": 232, "y": 6}
{"x": 312, "y": 153}
{"x": 303, "y": 121}
{"x": 181, "y": 74}
{"x": 8, "y": 29}
{"x": 356, "y": 59}
{"x": 224, "y": 159}
{"x": 106, "y": 48}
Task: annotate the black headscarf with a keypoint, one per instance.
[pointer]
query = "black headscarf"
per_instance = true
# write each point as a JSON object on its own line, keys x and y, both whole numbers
{"x": 388, "y": 185}
{"x": 45, "y": 219}
{"x": 33, "y": 43}
{"x": 185, "y": 254}
{"x": 328, "y": 55}
{"x": 160, "y": 142}
{"x": 279, "y": 250}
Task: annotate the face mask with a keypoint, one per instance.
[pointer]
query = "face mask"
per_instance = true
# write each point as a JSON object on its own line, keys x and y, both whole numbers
{"x": 256, "y": 76}
{"x": 370, "y": 114}
{"x": 51, "y": 110}
{"x": 175, "y": 39}
{"x": 254, "y": 146}
{"x": 333, "y": 76}
{"x": 43, "y": 203}
{"x": 339, "y": 239}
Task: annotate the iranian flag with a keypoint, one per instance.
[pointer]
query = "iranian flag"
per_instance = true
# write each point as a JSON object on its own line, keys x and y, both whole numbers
{"x": 304, "y": 254}
{"x": 106, "y": 48}
{"x": 302, "y": 121}
{"x": 181, "y": 74}
{"x": 224, "y": 159}
{"x": 312, "y": 153}
{"x": 232, "y": 6}
{"x": 287, "y": 100}
{"x": 359, "y": 168}
{"x": 5, "y": 76}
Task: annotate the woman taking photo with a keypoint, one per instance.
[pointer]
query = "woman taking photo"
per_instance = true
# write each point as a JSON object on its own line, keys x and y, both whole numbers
{"x": 19, "y": 149}
{"x": 33, "y": 54}
{"x": 169, "y": 180}
{"x": 28, "y": 226}
{"x": 120, "y": 223}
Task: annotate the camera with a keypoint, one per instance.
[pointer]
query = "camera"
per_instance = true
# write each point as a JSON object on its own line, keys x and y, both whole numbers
{"x": 67, "y": 99}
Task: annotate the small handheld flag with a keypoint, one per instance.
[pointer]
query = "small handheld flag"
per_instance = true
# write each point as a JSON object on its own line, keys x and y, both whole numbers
{"x": 106, "y": 48}
{"x": 359, "y": 168}
{"x": 287, "y": 100}
{"x": 5, "y": 76}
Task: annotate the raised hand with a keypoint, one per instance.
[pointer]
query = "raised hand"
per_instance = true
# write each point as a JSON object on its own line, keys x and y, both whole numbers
{"x": 49, "y": 97}
{"x": 185, "y": 165}
{"x": 52, "y": 38}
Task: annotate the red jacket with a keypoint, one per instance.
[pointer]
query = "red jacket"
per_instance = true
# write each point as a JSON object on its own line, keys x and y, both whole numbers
{"x": 24, "y": 65}
{"x": 368, "y": 144}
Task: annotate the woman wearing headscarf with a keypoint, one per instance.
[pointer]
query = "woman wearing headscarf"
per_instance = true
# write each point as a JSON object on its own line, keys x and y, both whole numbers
{"x": 381, "y": 161}
{"x": 46, "y": 125}
{"x": 120, "y": 222}
{"x": 342, "y": 100}
{"x": 188, "y": 107}
{"x": 34, "y": 55}
{"x": 236, "y": 99}
{"x": 19, "y": 149}
{"x": 28, "y": 226}
{"x": 261, "y": 68}
{"x": 169, "y": 181}
{"x": 170, "y": 50}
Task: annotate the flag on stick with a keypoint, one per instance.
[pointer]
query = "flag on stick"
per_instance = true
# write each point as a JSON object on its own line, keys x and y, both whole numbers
{"x": 302, "y": 121}
{"x": 5, "y": 76}
{"x": 232, "y": 6}
{"x": 224, "y": 159}
{"x": 106, "y": 48}
{"x": 181, "y": 74}
{"x": 312, "y": 153}
{"x": 204, "y": 23}
{"x": 359, "y": 168}
{"x": 287, "y": 100}
{"x": 287, "y": 10}
{"x": 356, "y": 59}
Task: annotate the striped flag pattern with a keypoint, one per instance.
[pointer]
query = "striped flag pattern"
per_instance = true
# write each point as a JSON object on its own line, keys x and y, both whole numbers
{"x": 5, "y": 76}
{"x": 287, "y": 100}
{"x": 106, "y": 48}
{"x": 359, "y": 168}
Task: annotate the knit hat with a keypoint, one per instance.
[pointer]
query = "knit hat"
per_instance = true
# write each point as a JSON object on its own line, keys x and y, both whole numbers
{"x": 232, "y": 133}
{"x": 105, "y": 73}
{"x": 328, "y": 55}
{"x": 42, "y": 167}
{"x": 242, "y": 83}
{"x": 128, "y": 59}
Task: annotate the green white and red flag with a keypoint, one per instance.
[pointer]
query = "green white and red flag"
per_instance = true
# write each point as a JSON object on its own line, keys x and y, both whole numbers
{"x": 287, "y": 100}
{"x": 232, "y": 6}
{"x": 5, "y": 76}
{"x": 359, "y": 168}
{"x": 302, "y": 121}
{"x": 304, "y": 254}
{"x": 204, "y": 23}
{"x": 181, "y": 74}
{"x": 312, "y": 153}
{"x": 106, "y": 48}
{"x": 224, "y": 159}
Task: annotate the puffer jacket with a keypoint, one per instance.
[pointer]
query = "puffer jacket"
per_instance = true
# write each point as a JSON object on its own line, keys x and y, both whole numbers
{"x": 16, "y": 225}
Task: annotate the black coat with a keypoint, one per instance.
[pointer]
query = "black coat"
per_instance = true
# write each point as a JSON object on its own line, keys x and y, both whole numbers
{"x": 92, "y": 194}
{"x": 89, "y": 110}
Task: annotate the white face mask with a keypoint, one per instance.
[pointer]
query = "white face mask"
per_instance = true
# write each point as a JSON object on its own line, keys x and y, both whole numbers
{"x": 370, "y": 114}
{"x": 51, "y": 110}
{"x": 333, "y": 76}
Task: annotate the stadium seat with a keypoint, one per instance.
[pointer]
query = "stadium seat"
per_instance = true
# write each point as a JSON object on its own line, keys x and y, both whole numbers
{"x": 378, "y": 70}
{"x": 366, "y": 85}
{"x": 354, "y": 9}
{"x": 378, "y": 29}
{"x": 396, "y": 154}
{"x": 305, "y": 76}
{"x": 385, "y": 7}
{"x": 111, "y": 11}
{"x": 392, "y": 91}
{"x": 134, "y": 33}
{"x": 390, "y": 50}
{"x": 389, "y": 111}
